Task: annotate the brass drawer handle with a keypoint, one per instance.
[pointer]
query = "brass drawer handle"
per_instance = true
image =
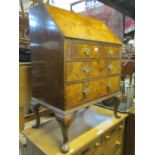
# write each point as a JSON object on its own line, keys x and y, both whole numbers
{"x": 86, "y": 69}
{"x": 109, "y": 86}
{"x": 121, "y": 126}
{"x": 111, "y": 53}
{"x": 107, "y": 137}
{"x": 109, "y": 67}
{"x": 85, "y": 91}
{"x": 97, "y": 144}
{"x": 118, "y": 143}
{"x": 86, "y": 51}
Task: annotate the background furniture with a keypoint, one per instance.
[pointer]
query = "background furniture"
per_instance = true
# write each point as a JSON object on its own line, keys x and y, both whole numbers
{"x": 129, "y": 135}
{"x": 100, "y": 134}
{"x": 25, "y": 92}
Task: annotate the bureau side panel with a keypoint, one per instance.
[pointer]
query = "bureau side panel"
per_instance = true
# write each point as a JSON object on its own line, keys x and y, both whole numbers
{"x": 47, "y": 58}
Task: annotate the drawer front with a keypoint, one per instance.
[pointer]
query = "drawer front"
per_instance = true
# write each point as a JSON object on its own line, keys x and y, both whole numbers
{"x": 110, "y": 52}
{"x": 85, "y": 51}
{"x": 110, "y": 134}
{"x": 94, "y": 51}
{"x": 112, "y": 84}
{"x": 91, "y": 69}
{"x": 114, "y": 146}
{"x": 90, "y": 148}
{"x": 112, "y": 143}
{"x": 80, "y": 93}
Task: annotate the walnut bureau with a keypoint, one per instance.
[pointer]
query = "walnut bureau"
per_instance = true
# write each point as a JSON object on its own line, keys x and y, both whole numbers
{"x": 75, "y": 63}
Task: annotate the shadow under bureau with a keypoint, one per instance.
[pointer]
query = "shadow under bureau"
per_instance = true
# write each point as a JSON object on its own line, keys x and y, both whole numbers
{"x": 75, "y": 63}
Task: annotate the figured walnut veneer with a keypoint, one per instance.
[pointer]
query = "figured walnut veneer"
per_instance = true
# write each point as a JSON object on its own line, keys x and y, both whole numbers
{"x": 75, "y": 59}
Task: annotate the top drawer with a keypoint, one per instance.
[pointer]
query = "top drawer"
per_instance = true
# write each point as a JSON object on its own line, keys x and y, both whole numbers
{"x": 94, "y": 51}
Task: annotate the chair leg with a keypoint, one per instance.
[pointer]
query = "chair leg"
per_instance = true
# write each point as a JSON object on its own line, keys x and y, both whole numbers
{"x": 35, "y": 107}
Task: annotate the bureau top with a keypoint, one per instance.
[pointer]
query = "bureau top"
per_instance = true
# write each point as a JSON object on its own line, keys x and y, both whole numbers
{"x": 76, "y": 26}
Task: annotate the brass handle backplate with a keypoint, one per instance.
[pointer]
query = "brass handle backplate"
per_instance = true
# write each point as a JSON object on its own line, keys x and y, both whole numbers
{"x": 86, "y": 51}
{"x": 85, "y": 91}
{"x": 111, "y": 53}
{"x": 118, "y": 143}
{"x": 109, "y": 67}
{"x": 107, "y": 137}
{"x": 121, "y": 126}
{"x": 86, "y": 69}
{"x": 97, "y": 144}
{"x": 109, "y": 85}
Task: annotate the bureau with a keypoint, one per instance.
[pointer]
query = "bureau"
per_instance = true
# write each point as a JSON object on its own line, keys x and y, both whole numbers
{"x": 75, "y": 63}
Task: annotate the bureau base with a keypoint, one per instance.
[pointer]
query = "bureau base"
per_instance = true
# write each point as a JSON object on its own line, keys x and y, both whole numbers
{"x": 65, "y": 120}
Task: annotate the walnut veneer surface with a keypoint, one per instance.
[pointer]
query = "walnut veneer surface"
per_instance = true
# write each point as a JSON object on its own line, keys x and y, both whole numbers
{"x": 75, "y": 59}
{"x": 73, "y": 25}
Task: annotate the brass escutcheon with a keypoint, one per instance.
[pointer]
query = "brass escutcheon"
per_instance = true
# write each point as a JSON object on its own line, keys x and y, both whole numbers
{"x": 86, "y": 51}
{"x": 110, "y": 52}
{"x": 86, "y": 69}
{"x": 85, "y": 91}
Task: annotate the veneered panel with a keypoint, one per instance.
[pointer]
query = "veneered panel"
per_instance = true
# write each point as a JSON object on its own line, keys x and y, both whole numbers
{"x": 78, "y": 94}
{"x": 77, "y": 26}
{"x": 47, "y": 58}
{"x": 80, "y": 70}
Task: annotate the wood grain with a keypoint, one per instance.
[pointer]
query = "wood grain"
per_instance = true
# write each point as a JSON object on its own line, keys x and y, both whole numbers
{"x": 64, "y": 50}
{"x": 79, "y": 70}
{"x": 74, "y": 25}
{"x": 47, "y": 58}
{"x": 95, "y": 50}
{"x": 24, "y": 84}
{"x": 96, "y": 89}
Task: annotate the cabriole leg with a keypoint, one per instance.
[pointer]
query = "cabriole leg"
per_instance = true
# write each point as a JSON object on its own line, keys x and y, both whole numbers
{"x": 64, "y": 123}
{"x": 117, "y": 102}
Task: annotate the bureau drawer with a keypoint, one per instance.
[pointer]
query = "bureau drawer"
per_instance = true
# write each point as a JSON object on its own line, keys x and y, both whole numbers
{"x": 91, "y": 69}
{"x": 110, "y": 52}
{"x": 80, "y": 93}
{"x": 85, "y": 50}
{"x": 112, "y": 84}
{"x": 94, "y": 51}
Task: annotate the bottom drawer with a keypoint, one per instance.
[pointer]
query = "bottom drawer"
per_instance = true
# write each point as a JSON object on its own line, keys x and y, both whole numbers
{"x": 89, "y": 149}
{"x": 80, "y": 93}
{"x": 113, "y": 147}
{"x": 111, "y": 141}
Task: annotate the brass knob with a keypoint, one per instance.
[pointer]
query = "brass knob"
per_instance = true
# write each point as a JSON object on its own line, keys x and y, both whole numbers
{"x": 85, "y": 91}
{"x": 109, "y": 67}
{"x": 97, "y": 144}
{"x": 107, "y": 137}
{"x": 110, "y": 52}
{"x": 121, "y": 126}
{"x": 86, "y": 69}
{"x": 117, "y": 143}
{"x": 109, "y": 86}
{"x": 86, "y": 51}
